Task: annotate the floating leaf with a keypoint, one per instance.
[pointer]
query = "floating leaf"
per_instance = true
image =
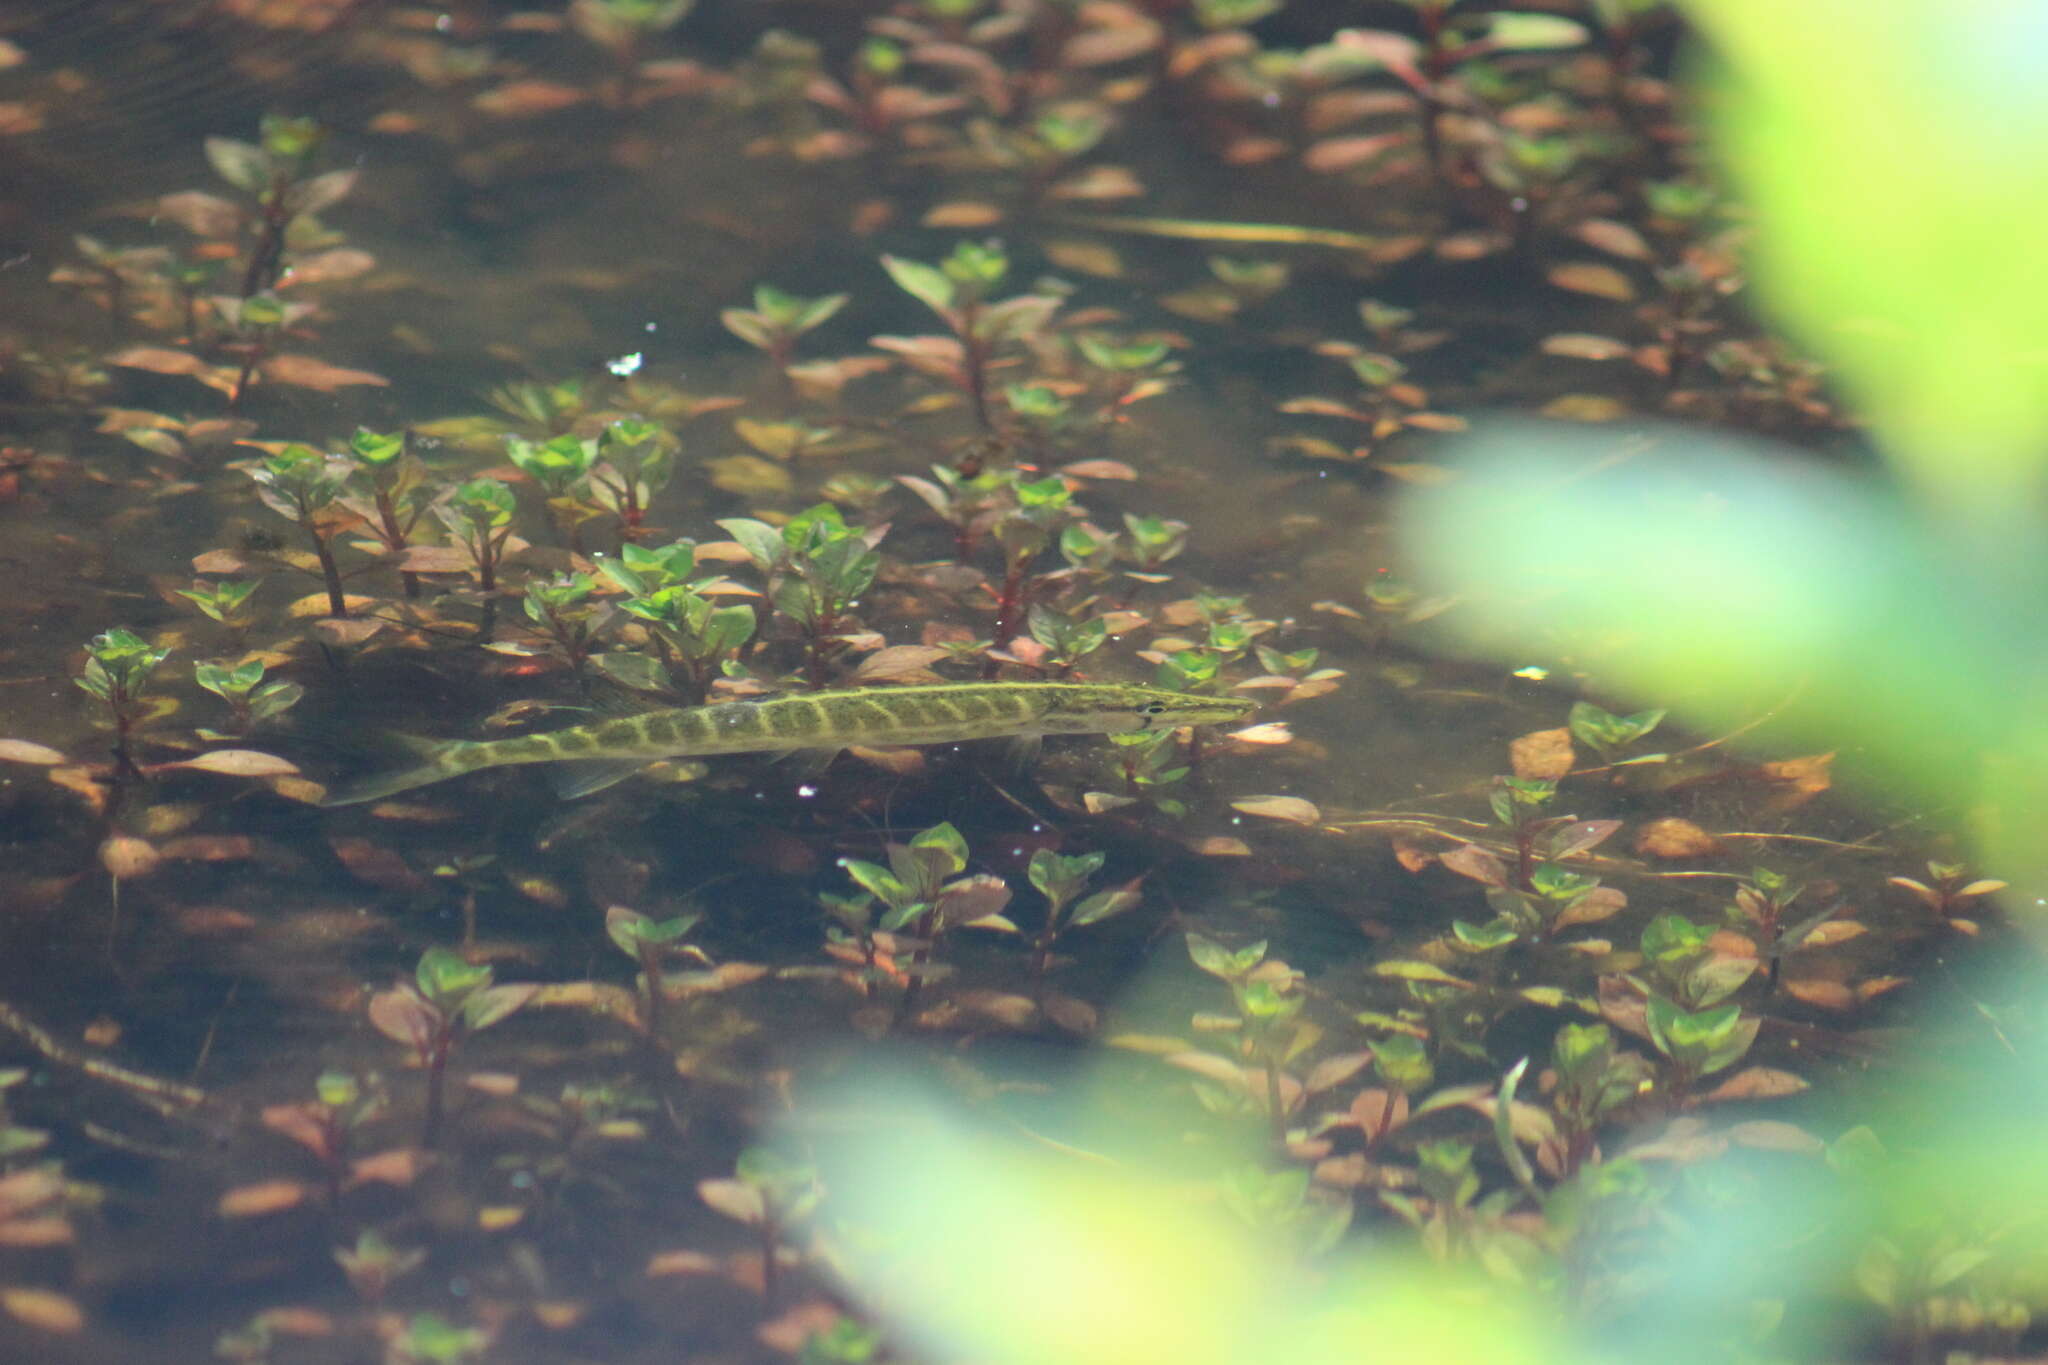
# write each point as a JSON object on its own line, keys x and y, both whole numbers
{"x": 239, "y": 763}
{"x": 962, "y": 213}
{"x": 1546, "y": 754}
{"x": 1756, "y": 1083}
{"x": 25, "y": 751}
{"x": 1677, "y": 839}
{"x": 1831, "y": 932}
{"x": 307, "y": 372}
{"x": 43, "y": 1308}
{"x": 518, "y": 99}
{"x": 1616, "y": 239}
{"x": 158, "y": 360}
{"x": 1589, "y": 277}
{"x": 1586, "y": 346}
{"x": 750, "y": 476}
{"x": 1481, "y": 865}
{"x": 1772, "y": 1136}
{"x": 126, "y": 857}
{"x": 735, "y": 1199}
{"x": 1292, "y": 809}
{"x": 1418, "y": 971}
{"x": 264, "y": 1197}
{"x": 900, "y": 664}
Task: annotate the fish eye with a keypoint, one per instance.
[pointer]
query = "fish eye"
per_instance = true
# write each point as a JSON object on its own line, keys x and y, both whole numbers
{"x": 1152, "y": 708}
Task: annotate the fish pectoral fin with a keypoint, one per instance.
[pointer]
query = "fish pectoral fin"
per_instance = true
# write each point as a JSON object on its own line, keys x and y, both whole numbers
{"x": 807, "y": 762}
{"x": 1022, "y": 751}
{"x": 583, "y": 776}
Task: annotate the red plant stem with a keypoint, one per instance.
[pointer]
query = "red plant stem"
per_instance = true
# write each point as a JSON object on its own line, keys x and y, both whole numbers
{"x": 337, "y": 601}
{"x": 394, "y": 539}
{"x": 269, "y": 248}
{"x": 250, "y": 359}
{"x": 437, "y": 1075}
{"x": 771, "y": 1272}
{"x": 1008, "y": 606}
{"x": 974, "y": 367}
{"x": 650, "y": 972}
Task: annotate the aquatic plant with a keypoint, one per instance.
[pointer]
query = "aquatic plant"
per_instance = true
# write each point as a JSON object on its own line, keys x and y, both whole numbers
{"x": 957, "y": 290}
{"x": 304, "y": 486}
{"x": 917, "y": 900}
{"x": 770, "y": 1193}
{"x": 118, "y": 664}
{"x": 250, "y": 699}
{"x": 447, "y": 1001}
{"x": 777, "y": 321}
{"x": 326, "y": 1124}
{"x": 648, "y": 941}
{"x": 397, "y": 492}
{"x": 1061, "y": 879}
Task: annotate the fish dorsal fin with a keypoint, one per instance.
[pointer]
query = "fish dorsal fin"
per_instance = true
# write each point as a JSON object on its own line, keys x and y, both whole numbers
{"x": 583, "y": 776}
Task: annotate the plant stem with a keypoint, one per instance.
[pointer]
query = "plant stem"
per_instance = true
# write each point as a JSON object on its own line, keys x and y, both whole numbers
{"x": 650, "y": 973}
{"x": 437, "y": 1075}
{"x": 337, "y": 601}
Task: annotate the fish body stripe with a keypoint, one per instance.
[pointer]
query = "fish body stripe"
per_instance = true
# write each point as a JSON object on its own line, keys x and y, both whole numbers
{"x": 940, "y": 713}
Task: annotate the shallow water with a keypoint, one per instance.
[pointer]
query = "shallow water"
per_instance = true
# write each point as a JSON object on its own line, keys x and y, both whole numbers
{"x": 550, "y": 243}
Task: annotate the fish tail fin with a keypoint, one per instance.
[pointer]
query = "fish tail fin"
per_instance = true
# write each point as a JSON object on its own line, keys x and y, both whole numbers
{"x": 429, "y": 765}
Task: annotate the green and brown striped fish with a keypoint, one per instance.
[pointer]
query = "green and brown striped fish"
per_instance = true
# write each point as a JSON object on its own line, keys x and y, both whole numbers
{"x": 938, "y": 713}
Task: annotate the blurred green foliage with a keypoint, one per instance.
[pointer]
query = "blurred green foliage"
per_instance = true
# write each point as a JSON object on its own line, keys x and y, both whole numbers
{"x": 1890, "y": 154}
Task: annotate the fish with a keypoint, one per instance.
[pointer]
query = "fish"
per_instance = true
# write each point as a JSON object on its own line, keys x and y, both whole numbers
{"x": 608, "y": 751}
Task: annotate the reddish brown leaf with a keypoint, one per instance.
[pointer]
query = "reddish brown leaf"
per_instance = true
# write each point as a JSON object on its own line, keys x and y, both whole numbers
{"x": 900, "y": 664}
{"x": 1675, "y": 838}
{"x": 1772, "y": 1136}
{"x": 1616, "y": 239}
{"x": 307, "y": 372}
{"x": 1588, "y": 277}
{"x": 1586, "y": 346}
{"x": 516, "y": 99}
{"x": 264, "y": 1197}
{"x": 1291, "y": 809}
{"x": 238, "y": 763}
{"x": 375, "y": 864}
{"x": 1756, "y": 1083}
{"x": 158, "y": 360}
{"x": 1545, "y": 754}
{"x": 1470, "y": 860}
{"x": 960, "y": 214}
{"x": 398, "y": 1167}
{"x": 24, "y": 751}
{"x": 43, "y": 1308}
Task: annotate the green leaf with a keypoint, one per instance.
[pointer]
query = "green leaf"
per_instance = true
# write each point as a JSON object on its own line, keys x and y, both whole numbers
{"x": 925, "y": 283}
{"x": 493, "y": 1003}
{"x": 445, "y": 976}
{"x": 1582, "y": 1049}
{"x": 1403, "y": 1062}
{"x": 1717, "y": 978}
{"x": 1533, "y": 32}
{"x": 1104, "y": 904}
{"x": 241, "y": 164}
{"x": 875, "y": 879}
{"x": 1952, "y": 1266}
{"x": 1670, "y": 941}
{"x": 1405, "y": 970}
{"x": 762, "y": 542}
{"x": 1483, "y": 938}
{"x": 1217, "y": 960}
{"x": 943, "y": 839}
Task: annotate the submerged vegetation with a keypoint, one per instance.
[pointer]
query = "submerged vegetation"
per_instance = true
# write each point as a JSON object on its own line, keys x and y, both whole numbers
{"x": 864, "y": 389}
